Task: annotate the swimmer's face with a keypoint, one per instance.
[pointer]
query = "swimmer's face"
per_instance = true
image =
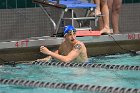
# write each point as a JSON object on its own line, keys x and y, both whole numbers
{"x": 71, "y": 36}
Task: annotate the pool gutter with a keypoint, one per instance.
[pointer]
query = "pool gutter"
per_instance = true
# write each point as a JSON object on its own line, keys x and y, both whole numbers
{"x": 28, "y": 49}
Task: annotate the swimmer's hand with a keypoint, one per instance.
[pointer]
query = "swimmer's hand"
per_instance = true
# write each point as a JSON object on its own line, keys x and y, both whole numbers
{"x": 44, "y": 50}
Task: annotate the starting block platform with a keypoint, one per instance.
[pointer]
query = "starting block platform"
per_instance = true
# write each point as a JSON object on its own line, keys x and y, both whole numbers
{"x": 87, "y": 33}
{"x": 70, "y": 5}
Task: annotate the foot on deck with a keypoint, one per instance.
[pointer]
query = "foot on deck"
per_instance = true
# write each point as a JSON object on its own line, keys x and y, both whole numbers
{"x": 105, "y": 31}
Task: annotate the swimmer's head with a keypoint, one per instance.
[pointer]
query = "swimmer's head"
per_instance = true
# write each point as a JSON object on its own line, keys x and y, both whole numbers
{"x": 69, "y": 29}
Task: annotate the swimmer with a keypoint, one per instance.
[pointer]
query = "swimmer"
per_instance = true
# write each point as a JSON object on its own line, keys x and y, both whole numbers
{"x": 70, "y": 50}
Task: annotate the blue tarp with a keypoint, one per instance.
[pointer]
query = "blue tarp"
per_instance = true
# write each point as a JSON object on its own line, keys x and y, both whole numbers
{"x": 75, "y": 4}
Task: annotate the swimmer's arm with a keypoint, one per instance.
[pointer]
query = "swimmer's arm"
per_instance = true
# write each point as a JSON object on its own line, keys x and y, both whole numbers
{"x": 56, "y": 52}
{"x": 47, "y": 58}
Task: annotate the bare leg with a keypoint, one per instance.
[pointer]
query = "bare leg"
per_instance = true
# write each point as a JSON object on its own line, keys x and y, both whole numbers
{"x": 105, "y": 12}
{"x": 101, "y": 23}
{"x": 97, "y": 10}
{"x": 115, "y": 7}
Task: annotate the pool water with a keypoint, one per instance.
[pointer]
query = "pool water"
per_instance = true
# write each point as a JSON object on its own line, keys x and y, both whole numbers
{"x": 92, "y": 76}
{"x": 118, "y": 59}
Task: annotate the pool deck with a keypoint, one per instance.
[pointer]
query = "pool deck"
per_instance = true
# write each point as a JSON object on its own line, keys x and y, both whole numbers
{"x": 28, "y": 49}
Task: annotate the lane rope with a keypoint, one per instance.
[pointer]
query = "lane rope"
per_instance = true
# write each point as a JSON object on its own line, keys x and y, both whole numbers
{"x": 68, "y": 86}
{"x": 86, "y": 65}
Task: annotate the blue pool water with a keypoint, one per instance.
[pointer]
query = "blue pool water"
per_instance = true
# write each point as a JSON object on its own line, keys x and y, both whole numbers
{"x": 118, "y": 59}
{"x": 93, "y": 76}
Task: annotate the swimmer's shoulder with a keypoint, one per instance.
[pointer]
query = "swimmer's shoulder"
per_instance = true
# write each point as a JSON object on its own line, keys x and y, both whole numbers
{"x": 80, "y": 43}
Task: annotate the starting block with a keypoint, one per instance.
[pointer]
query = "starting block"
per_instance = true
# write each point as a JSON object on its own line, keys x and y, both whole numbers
{"x": 70, "y": 6}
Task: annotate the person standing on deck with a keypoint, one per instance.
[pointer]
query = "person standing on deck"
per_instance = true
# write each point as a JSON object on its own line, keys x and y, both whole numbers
{"x": 102, "y": 8}
{"x": 115, "y": 7}
{"x": 70, "y": 50}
